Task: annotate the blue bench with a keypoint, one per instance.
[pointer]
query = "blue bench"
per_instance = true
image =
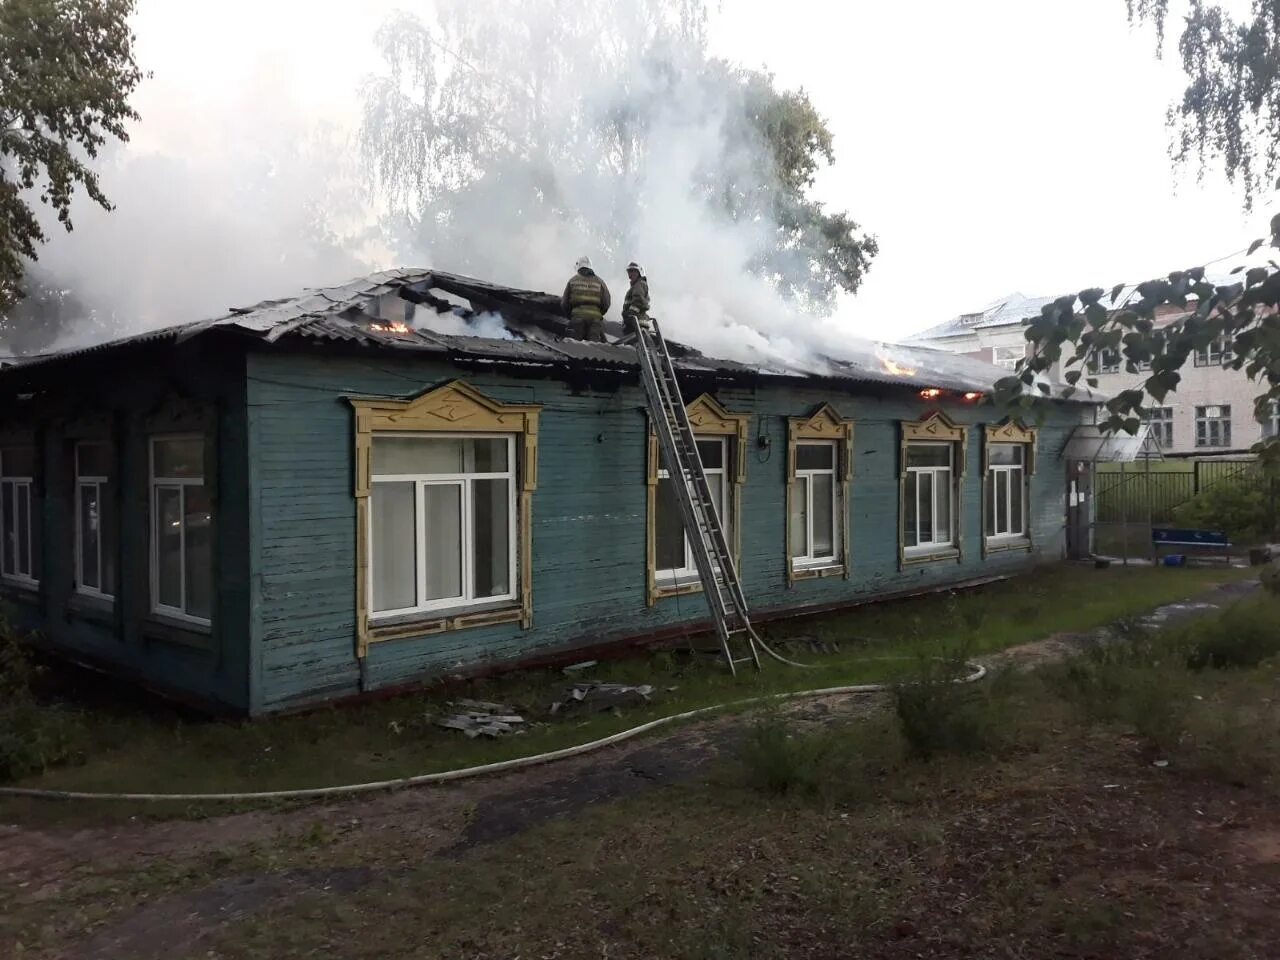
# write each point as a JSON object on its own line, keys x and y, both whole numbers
{"x": 1191, "y": 539}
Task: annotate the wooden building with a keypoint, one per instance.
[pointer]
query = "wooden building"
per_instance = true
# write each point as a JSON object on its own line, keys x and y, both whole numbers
{"x": 322, "y": 497}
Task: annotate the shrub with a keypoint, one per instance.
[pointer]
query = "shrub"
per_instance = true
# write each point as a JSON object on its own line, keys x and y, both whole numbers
{"x": 1137, "y": 677}
{"x": 1242, "y": 636}
{"x": 938, "y": 715}
{"x": 776, "y": 759}
{"x": 1241, "y": 510}
{"x": 33, "y": 736}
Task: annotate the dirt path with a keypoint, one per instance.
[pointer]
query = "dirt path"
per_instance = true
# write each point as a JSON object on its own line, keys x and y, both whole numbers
{"x": 372, "y": 836}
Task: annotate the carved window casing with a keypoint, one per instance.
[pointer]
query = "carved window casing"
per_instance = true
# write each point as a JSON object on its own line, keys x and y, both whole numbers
{"x": 1008, "y": 463}
{"x": 710, "y": 421}
{"x": 932, "y": 455}
{"x": 819, "y": 452}
{"x": 455, "y": 408}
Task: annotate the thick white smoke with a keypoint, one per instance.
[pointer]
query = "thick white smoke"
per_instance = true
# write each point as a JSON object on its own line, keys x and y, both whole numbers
{"x": 254, "y": 200}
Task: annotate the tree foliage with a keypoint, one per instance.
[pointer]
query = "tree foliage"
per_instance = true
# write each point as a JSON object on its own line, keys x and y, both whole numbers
{"x": 66, "y": 73}
{"x": 491, "y": 118}
{"x": 1230, "y": 109}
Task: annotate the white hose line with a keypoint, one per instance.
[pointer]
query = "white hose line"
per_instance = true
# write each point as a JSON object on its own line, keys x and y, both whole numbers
{"x": 462, "y": 773}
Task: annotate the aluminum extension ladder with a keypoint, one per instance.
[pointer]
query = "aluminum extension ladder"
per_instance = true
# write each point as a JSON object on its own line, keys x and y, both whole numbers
{"x": 712, "y": 556}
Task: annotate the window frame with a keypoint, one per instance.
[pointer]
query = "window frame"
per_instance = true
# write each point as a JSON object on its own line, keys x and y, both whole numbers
{"x": 26, "y": 485}
{"x": 1205, "y": 426}
{"x": 154, "y": 485}
{"x": 466, "y": 482}
{"x": 808, "y": 561}
{"x": 1161, "y": 426}
{"x": 1098, "y": 363}
{"x": 1008, "y": 432}
{"x": 1008, "y": 363}
{"x": 453, "y": 406}
{"x": 994, "y": 471}
{"x": 823, "y": 424}
{"x": 97, "y": 482}
{"x": 675, "y": 577}
{"x": 934, "y": 545}
{"x": 1216, "y": 354}
{"x": 933, "y": 427}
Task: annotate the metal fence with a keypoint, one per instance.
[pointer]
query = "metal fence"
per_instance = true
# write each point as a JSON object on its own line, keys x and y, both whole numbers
{"x": 1137, "y": 494}
{"x": 1132, "y": 499}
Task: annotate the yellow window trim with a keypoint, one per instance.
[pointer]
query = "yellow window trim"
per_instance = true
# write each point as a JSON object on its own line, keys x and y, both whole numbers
{"x": 1007, "y": 431}
{"x": 453, "y": 407}
{"x": 708, "y": 419}
{"x": 935, "y": 427}
{"x": 824, "y": 423}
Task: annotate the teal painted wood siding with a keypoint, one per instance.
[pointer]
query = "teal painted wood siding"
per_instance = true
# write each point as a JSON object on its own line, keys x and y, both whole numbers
{"x": 207, "y": 666}
{"x": 589, "y": 519}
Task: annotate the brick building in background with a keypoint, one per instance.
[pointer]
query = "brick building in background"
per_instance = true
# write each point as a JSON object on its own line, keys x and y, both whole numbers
{"x": 1211, "y": 413}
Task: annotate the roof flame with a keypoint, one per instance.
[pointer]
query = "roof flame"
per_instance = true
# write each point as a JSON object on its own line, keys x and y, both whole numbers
{"x": 893, "y": 368}
{"x": 390, "y": 327}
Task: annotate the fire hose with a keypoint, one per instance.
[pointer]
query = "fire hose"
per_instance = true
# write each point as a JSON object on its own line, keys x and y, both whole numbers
{"x": 977, "y": 672}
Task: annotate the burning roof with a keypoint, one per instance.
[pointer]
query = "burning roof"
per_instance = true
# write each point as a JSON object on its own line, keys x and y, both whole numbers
{"x": 433, "y": 312}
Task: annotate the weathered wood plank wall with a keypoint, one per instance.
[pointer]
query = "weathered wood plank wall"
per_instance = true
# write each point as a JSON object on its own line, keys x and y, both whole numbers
{"x": 589, "y": 519}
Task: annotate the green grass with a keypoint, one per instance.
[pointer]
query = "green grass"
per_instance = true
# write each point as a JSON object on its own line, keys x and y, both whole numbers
{"x": 136, "y": 748}
{"x": 1059, "y": 836}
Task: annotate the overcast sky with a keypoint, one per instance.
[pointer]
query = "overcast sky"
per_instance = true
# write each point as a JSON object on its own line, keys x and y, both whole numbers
{"x": 992, "y": 145}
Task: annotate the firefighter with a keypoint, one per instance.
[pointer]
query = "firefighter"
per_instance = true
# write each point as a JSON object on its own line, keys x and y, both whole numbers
{"x": 585, "y": 301}
{"x": 635, "y": 305}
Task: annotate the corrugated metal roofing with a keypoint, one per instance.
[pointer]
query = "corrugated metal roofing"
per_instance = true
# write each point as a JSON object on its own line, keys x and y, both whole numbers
{"x": 529, "y": 332}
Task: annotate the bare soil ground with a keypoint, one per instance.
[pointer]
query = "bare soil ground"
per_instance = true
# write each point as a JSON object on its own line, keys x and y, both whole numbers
{"x": 1083, "y": 850}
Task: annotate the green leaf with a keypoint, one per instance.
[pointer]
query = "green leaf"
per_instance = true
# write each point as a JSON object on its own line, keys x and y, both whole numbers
{"x": 1260, "y": 241}
{"x": 1043, "y": 388}
{"x": 1236, "y": 270}
{"x": 1255, "y": 276}
{"x": 1072, "y": 377}
{"x": 1115, "y": 291}
{"x": 1092, "y": 295}
{"x": 1093, "y": 382}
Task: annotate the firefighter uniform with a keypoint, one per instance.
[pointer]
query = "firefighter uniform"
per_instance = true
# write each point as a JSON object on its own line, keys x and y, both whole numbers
{"x": 585, "y": 301}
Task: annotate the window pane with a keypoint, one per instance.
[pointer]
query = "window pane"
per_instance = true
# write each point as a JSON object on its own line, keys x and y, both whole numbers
{"x": 90, "y": 521}
{"x": 108, "y": 534}
{"x": 798, "y": 522}
{"x": 394, "y": 530}
{"x": 712, "y": 454}
{"x": 815, "y": 456}
{"x": 1005, "y": 453}
{"x": 910, "y": 496}
{"x": 416, "y": 456}
{"x": 8, "y": 533}
{"x": 487, "y": 455}
{"x": 93, "y": 460}
{"x": 169, "y": 546}
{"x": 942, "y": 500}
{"x": 1002, "y": 501}
{"x": 442, "y": 511}
{"x": 23, "y": 496}
{"x": 198, "y": 563}
{"x": 1226, "y": 433}
{"x": 669, "y": 528}
{"x": 991, "y": 503}
{"x": 18, "y": 461}
{"x": 824, "y": 543}
{"x": 929, "y": 455}
{"x": 1016, "y": 521}
{"x": 491, "y": 530}
{"x": 926, "y": 507}
{"x": 179, "y": 458}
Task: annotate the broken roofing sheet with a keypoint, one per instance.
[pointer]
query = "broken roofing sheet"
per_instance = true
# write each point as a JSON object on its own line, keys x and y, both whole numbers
{"x": 436, "y": 312}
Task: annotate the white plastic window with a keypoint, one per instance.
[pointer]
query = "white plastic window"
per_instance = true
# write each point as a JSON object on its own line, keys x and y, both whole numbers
{"x": 673, "y": 559}
{"x": 442, "y": 522}
{"x": 1006, "y": 491}
{"x": 181, "y": 530}
{"x": 928, "y": 498}
{"x": 19, "y": 523}
{"x": 814, "y": 524}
